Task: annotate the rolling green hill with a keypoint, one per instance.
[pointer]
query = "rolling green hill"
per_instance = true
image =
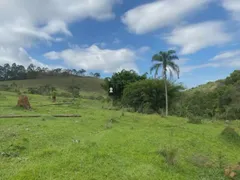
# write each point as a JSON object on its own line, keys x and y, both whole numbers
{"x": 208, "y": 87}
{"x": 87, "y": 84}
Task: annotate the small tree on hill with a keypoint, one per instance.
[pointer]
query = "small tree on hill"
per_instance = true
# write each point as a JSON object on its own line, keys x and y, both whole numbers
{"x": 74, "y": 89}
{"x": 119, "y": 81}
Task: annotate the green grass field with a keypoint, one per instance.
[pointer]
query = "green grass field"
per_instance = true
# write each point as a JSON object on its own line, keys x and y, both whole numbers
{"x": 94, "y": 148}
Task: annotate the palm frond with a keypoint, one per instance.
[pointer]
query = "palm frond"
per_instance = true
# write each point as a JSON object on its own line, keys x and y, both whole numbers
{"x": 157, "y": 58}
{"x": 173, "y": 57}
{"x": 171, "y": 52}
{"x": 174, "y": 67}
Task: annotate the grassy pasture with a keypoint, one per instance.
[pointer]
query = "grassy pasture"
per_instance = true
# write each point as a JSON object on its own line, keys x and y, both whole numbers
{"x": 88, "y": 84}
{"x": 108, "y": 144}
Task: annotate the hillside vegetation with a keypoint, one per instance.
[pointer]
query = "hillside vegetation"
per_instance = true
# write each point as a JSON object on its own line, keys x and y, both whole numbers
{"x": 19, "y": 78}
{"x": 220, "y": 100}
{"x": 88, "y": 84}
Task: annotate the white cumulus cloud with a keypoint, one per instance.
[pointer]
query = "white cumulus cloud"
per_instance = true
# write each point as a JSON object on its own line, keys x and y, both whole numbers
{"x": 194, "y": 37}
{"x": 18, "y": 56}
{"x": 228, "y": 59}
{"x": 233, "y": 6}
{"x": 152, "y": 16}
{"x": 95, "y": 58}
{"x": 27, "y": 22}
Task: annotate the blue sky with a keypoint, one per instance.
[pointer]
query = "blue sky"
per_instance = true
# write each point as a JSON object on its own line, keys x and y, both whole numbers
{"x": 109, "y": 35}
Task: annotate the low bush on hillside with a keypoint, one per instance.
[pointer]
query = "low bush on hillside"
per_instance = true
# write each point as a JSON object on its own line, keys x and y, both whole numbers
{"x": 42, "y": 90}
{"x": 230, "y": 134}
{"x": 169, "y": 154}
{"x": 222, "y": 102}
{"x": 194, "y": 119}
{"x": 13, "y": 87}
{"x": 148, "y": 96}
{"x": 64, "y": 94}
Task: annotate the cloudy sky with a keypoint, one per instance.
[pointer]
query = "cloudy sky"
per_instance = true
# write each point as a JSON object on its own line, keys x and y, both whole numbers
{"x": 109, "y": 35}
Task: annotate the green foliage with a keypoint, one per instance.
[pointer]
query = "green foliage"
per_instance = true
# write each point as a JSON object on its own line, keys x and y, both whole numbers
{"x": 64, "y": 94}
{"x": 170, "y": 155}
{"x": 148, "y": 96}
{"x": 233, "y": 78}
{"x": 74, "y": 89}
{"x": 194, "y": 119}
{"x": 119, "y": 81}
{"x": 230, "y": 134}
{"x": 221, "y": 102}
{"x": 42, "y": 90}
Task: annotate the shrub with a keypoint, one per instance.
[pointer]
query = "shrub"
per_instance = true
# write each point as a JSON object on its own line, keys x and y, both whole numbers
{"x": 5, "y": 87}
{"x": 119, "y": 81}
{"x": 65, "y": 94}
{"x": 170, "y": 155}
{"x": 148, "y": 96}
{"x": 194, "y": 119}
{"x": 230, "y": 134}
{"x": 42, "y": 90}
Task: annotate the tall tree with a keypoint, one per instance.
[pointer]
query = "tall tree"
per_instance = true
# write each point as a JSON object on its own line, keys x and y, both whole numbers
{"x": 2, "y": 74}
{"x": 97, "y": 75}
{"x": 7, "y": 71}
{"x": 74, "y": 71}
{"x": 82, "y": 72}
{"x": 165, "y": 61}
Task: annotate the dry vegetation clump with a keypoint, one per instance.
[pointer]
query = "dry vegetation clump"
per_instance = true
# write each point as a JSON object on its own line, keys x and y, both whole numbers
{"x": 233, "y": 171}
{"x": 23, "y": 101}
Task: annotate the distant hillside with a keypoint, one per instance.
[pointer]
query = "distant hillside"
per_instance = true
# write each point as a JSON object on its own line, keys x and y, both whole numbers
{"x": 88, "y": 84}
{"x": 208, "y": 87}
{"x": 219, "y": 99}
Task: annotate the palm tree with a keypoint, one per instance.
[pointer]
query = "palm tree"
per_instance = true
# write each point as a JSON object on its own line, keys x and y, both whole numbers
{"x": 165, "y": 61}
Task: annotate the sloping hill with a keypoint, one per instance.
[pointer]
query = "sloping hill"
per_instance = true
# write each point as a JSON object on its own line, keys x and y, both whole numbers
{"x": 208, "y": 87}
{"x": 88, "y": 84}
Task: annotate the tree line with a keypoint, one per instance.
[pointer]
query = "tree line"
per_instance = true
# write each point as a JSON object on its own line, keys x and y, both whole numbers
{"x": 19, "y": 72}
{"x": 147, "y": 95}
{"x": 156, "y": 95}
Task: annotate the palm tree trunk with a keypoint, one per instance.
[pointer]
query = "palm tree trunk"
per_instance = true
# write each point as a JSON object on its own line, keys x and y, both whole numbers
{"x": 166, "y": 92}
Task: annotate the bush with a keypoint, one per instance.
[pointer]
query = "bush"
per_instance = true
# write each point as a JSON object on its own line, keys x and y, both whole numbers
{"x": 148, "y": 96}
{"x": 170, "y": 155}
{"x": 5, "y": 87}
{"x": 194, "y": 119}
{"x": 65, "y": 94}
{"x": 230, "y": 134}
{"x": 42, "y": 90}
{"x": 119, "y": 81}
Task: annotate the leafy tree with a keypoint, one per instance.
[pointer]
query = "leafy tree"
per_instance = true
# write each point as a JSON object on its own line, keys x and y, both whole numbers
{"x": 74, "y": 71}
{"x": 149, "y": 95}
{"x": 97, "y": 75}
{"x": 165, "y": 60}
{"x": 82, "y": 72}
{"x": 2, "y": 74}
{"x": 119, "y": 81}
{"x": 31, "y": 72}
{"x": 233, "y": 78}
{"x": 7, "y": 71}
{"x": 74, "y": 89}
